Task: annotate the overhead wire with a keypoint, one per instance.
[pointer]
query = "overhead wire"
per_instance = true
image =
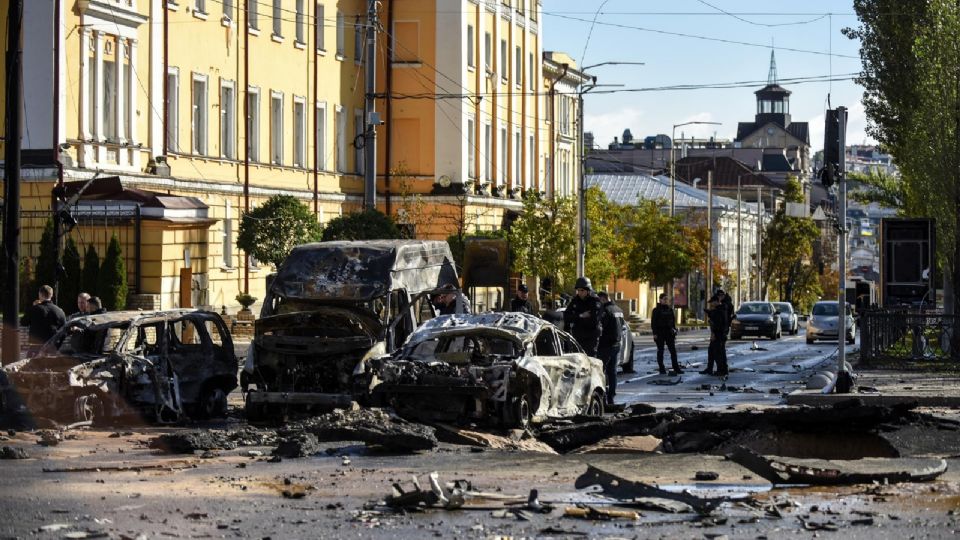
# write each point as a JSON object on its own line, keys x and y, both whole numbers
{"x": 739, "y": 18}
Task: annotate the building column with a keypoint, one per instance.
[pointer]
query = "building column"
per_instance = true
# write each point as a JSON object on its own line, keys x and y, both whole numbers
{"x": 100, "y": 151}
{"x": 121, "y": 85}
{"x": 158, "y": 78}
{"x": 132, "y": 105}
{"x": 85, "y": 154}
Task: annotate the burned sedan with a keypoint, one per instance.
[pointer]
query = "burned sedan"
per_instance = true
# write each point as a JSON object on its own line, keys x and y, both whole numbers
{"x": 511, "y": 368}
{"x": 160, "y": 366}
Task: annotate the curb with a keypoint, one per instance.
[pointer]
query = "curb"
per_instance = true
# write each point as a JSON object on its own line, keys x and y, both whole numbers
{"x": 884, "y": 399}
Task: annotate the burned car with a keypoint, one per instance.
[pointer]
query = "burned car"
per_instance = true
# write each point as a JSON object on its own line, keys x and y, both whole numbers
{"x": 510, "y": 368}
{"x": 331, "y": 307}
{"x": 162, "y": 366}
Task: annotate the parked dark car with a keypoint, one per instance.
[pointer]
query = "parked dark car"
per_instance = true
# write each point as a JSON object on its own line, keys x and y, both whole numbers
{"x": 161, "y": 366}
{"x": 759, "y": 319}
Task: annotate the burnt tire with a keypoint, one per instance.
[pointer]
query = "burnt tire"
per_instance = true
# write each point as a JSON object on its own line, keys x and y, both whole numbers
{"x": 595, "y": 407}
{"x": 521, "y": 412}
{"x": 213, "y": 403}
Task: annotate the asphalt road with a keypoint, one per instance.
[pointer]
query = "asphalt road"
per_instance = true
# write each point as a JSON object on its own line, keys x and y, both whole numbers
{"x": 762, "y": 371}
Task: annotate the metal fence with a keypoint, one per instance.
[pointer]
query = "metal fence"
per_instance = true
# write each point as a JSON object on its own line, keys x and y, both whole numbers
{"x": 96, "y": 224}
{"x": 907, "y": 337}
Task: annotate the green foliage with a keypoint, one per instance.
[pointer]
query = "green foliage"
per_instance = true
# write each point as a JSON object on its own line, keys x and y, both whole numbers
{"x": 46, "y": 269}
{"x": 604, "y": 244}
{"x": 246, "y": 300}
{"x": 271, "y": 230}
{"x": 70, "y": 284}
{"x": 112, "y": 282}
{"x": 788, "y": 251}
{"x": 660, "y": 249}
{"x": 877, "y": 187}
{"x": 543, "y": 239}
{"x": 369, "y": 224}
{"x": 91, "y": 271}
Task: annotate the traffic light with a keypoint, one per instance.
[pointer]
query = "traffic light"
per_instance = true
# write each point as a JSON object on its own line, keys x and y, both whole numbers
{"x": 833, "y": 140}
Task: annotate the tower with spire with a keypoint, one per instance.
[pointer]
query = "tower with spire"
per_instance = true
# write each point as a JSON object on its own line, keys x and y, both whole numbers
{"x": 773, "y": 100}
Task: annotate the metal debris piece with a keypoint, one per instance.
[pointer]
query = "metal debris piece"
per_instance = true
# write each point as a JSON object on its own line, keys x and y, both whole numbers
{"x": 706, "y": 475}
{"x": 626, "y": 490}
{"x": 666, "y": 382}
{"x": 13, "y": 452}
{"x": 783, "y": 470}
{"x": 419, "y": 498}
{"x": 599, "y": 514}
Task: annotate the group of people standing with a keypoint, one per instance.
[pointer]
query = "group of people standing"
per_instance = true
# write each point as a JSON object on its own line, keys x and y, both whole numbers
{"x": 594, "y": 321}
{"x": 663, "y": 323}
{"x": 44, "y": 318}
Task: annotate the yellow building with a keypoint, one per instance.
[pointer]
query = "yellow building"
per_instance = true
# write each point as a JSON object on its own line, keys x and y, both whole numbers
{"x": 224, "y": 103}
{"x": 562, "y": 82}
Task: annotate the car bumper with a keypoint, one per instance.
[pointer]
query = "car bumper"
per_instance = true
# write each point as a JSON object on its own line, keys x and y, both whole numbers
{"x": 754, "y": 329}
{"x": 826, "y": 333}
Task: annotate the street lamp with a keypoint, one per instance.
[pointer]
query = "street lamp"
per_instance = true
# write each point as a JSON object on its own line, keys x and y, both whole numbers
{"x": 673, "y": 159}
{"x": 581, "y": 195}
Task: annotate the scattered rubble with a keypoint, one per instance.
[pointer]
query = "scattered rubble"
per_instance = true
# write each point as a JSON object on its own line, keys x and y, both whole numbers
{"x": 297, "y": 445}
{"x": 628, "y": 492}
{"x": 13, "y": 452}
{"x": 633, "y": 444}
{"x": 781, "y": 470}
{"x": 379, "y": 427}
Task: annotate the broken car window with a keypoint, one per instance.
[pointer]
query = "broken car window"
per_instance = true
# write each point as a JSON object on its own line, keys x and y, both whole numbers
{"x": 568, "y": 345}
{"x": 546, "y": 345}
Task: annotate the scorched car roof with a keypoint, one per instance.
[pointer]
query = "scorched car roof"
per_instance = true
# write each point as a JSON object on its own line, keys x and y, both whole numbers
{"x": 523, "y": 326}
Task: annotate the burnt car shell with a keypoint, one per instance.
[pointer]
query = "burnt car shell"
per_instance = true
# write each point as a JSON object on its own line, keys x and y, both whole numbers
{"x": 332, "y": 307}
{"x": 510, "y": 368}
{"x": 156, "y": 365}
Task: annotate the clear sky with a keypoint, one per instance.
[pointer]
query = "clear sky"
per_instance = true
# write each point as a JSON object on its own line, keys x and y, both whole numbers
{"x": 740, "y": 34}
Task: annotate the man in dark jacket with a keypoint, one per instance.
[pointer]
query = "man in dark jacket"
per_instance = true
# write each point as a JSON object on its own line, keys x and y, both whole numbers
{"x": 608, "y": 349}
{"x": 447, "y": 301}
{"x": 663, "y": 323}
{"x": 582, "y": 317}
{"x": 44, "y": 318}
{"x": 521, "y": 302}
{"x": 716, "y": 354}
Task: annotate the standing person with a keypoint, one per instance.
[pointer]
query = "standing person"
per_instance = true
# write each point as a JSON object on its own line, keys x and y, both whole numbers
{"x": 446, "y": 302}
{"x": 82, "y": 307}
{"x": 727, "y": 303}
{"x": 521, "y": 303}
{"x": 608, "y": 349}
{"x": 663, "y": 323}
{"x": 718, "y": 327}
{"x": 43, "y": 317}
{"x": 582, "y": 317}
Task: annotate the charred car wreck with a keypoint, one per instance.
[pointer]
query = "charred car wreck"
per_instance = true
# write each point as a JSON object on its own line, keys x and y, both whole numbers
{"x": 331, "y": 307}
{"x": 161, "y": 366}
{"x": 510, "y": 368}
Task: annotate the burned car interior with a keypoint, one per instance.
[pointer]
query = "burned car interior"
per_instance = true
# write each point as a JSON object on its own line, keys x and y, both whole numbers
{"x": 162, "y": 366}
{"x": 507, "y": 368}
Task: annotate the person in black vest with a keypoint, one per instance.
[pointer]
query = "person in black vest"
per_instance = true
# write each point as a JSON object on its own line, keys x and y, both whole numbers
{"x": 716, "y": 354}
{"x": 582, "y": 317}
{"x": 608, "y": 350}
{"x": 663, "y": 323}
{"x": 44, "y": 318}
{"x": 521, "y": 302}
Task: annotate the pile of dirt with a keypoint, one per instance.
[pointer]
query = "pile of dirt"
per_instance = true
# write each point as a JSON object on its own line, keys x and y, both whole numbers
{"x": 380, "y": 427}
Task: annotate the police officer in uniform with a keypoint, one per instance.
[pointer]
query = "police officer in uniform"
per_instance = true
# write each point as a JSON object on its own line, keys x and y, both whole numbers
{"x": 611, "y": 321}
{"x": 521, "y": 303}
{"x": 582, "y": 317}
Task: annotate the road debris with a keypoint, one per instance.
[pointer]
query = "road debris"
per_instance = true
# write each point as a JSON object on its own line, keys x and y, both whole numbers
{"x": 631, "y": 444}
{"x": 781, "y": 470}
{"x": 13, "y": 452}
{"x": 598, "y": 514}
{"x": 380, "y": 427}
{"x": 627, "y": 491}
{"x": 418, "y": 499}
{"x": 297, "y": 445}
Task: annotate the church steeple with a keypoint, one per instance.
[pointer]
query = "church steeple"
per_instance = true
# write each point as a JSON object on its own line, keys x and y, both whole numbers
{"x": 772, "y": 75}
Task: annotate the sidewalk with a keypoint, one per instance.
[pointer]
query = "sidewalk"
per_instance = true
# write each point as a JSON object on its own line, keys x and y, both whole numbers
{"x": 890, "y": 387}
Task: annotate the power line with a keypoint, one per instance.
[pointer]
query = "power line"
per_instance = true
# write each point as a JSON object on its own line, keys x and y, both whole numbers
{"x": 739, "y": 18}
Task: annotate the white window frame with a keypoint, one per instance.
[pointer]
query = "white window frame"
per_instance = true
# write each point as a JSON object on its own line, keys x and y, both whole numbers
{"x": 503, "y": 145}
{"x": 227, "y": 236}
{"x": 340, "y": 125}
{"x": 532, "y": 73}
{"x": 488, "y": 51}
{"x": 518, "y": 69}
{"x": 517, "y": 158}
{"x": 300, "y": 31}
{"x": 110, "y": 96}
{"x": 471, "y": 147}
{"x": 340, "y": 35}
{"x": 358, "y": 40}
{"x": 276, "y": 128}
{"x": 253, "y": 119}
{"x": 532, "y": 160}
{"x": 253, "y": 16}
{"x": 200, "y": 6}
{"x": 359, "y": 142}
{"x": 199, "y": 117}
{"x": 173, "y": 109}
{"x": 277, "y": 18}
{"x": 471, "y": 47}
{"x": 319, "y": 25}
{"x": 228, "y": 120}
{"x": 229, "y": 9}
{"x": 320, "y": 135}
{"x": 503, "y": 61}
{"x": 300, "y": 132}
{"x": 487, "y": 152}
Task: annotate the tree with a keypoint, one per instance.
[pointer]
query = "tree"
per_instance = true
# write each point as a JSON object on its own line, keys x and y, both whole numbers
{"x": 660, "y": 248}
{"x": 604, "y": 243}
{"x": 271, "y": 230}
{"x": 112, "y": 282}
{"x": 877, "y": 187}
{"x": 46, "y": 269}
{"x": 91, "y": 269}
{"x": 543, "y": 239}
{"x": 369, "y": 224}
{"x": 70, "y": 284}
{"x": 788, "y": 250}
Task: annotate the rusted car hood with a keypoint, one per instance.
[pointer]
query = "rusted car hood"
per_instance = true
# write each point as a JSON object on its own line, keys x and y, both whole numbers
{"x": 332, "y": 320}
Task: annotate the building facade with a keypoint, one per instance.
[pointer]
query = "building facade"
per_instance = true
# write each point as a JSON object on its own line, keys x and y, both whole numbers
{"x": 562, "y": 82}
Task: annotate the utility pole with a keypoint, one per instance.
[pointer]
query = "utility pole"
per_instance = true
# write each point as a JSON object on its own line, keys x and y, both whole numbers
{"x": 372, "y": 119}
{"x": 842, "y": 382}
{"x": 11, "y": 214}
{"x": 710, "y": 234}
{"x": 759, "y": 243}
{"x": 739, "y": 246}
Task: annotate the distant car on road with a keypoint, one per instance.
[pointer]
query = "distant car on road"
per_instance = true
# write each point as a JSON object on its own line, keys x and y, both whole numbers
{"x": 824, "y": 322}
{"x": 759, "y": 319}
{"x": 789, "y": 322}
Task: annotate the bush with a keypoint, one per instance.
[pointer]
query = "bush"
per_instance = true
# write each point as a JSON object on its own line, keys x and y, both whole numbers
{"x": 112, "y": 285}
{"x": 91, "y": 271}
{"x": 271, "y": 230}
{"x": 70, "y": 282}
{"x": 46, "y": 269}
{"x": 367, "y": 224}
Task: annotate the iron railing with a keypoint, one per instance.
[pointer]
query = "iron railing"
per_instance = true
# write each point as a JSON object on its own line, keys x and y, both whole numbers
{"x": 907, "y": 337}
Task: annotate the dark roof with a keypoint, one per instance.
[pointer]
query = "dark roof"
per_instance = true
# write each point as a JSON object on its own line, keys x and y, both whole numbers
{"x": 773, "y": 89}
{"x": 800, "y": 130}
{"x": 110, "y": 188}
{"x": 725, "y": 171}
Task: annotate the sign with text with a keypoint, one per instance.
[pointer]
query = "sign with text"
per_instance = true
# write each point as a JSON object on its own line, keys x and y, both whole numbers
{"x": 680, "y": 297}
